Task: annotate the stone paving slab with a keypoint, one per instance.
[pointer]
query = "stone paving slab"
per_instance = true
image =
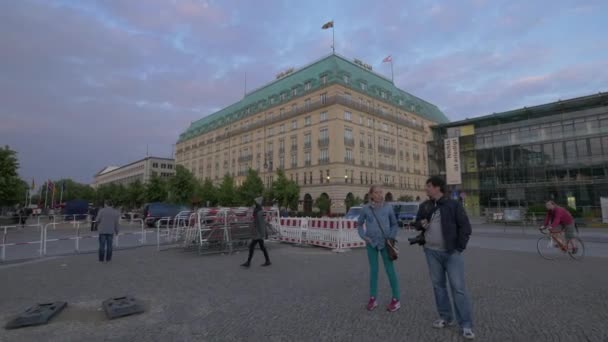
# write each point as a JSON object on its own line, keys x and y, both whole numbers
{"x": 308, "y": 294}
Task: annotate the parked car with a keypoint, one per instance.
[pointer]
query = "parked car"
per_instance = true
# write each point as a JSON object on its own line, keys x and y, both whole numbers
{"x": 353, "y": 213}
{"x": 153, "y": 212}
{"x": 405, "y": 212}
{"x": 75, "y": 210}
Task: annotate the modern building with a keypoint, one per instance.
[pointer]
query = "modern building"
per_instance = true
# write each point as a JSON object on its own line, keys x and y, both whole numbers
{"x": 334, "y": 126}
{"x": 525, "y": 156}
{"x": 141, "y": 170}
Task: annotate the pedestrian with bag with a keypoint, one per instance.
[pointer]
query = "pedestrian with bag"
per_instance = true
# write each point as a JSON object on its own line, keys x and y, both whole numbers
{"x": 260, "y": 234}
{"x": 377, "y": 226}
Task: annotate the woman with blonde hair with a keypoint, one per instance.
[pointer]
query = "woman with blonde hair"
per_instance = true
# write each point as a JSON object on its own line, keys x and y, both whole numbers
{"x": 380, "y": 230}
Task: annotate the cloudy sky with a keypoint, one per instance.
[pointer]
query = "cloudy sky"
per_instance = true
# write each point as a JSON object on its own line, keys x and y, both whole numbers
{"x": 85, "y": 84}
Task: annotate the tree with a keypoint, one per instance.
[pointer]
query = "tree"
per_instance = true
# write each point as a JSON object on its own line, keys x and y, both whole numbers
{"x": 73, "y": 190}
{"x": 252, "y": 187}
{"x": 285, "y": 192}
{"x": 207, "y": 193}
{"x": 156, "y": 190}
{"x": 182, "y": 186}
{"x": 227, "y": 192}
{"x": 323, "y": 203}
{"x": 406, "y": 198}
{"x": 114, "y": 193}
{"x": 352, "y": 201}
{"x": 136, "y": 195}
{"x": 12, "y": 190}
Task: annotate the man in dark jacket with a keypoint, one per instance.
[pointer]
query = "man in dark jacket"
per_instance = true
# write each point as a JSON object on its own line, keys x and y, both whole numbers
{"x": 446, "y": 234}
{"x": 259, "y": 223}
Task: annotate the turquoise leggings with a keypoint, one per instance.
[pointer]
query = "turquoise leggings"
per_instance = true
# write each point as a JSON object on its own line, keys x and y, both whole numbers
{"x": 372, "y": 255}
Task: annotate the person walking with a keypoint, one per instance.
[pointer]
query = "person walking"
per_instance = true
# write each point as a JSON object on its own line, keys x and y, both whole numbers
{"x": 107, "y": 225}
{"x": 259, "y": 223}
{"x": 380, "y": 225}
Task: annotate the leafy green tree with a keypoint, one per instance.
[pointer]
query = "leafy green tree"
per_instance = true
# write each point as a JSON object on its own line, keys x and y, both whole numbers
{"x": 73, "y": 190}
{"x": 136, "y": 195}
{"x": 406, "y": 198}
{"x": 252, "y": 187}
{"x": 182, "y": 186}
{"x": 156, "y": 190}
{"x": 352, "y": 201}
{"x": 323, "y": 203}
{"x": 207, "y": 193}
{"x": 226, "y": 195}
{"x": 12, "y": 189}
{"x": 285, "y": 192}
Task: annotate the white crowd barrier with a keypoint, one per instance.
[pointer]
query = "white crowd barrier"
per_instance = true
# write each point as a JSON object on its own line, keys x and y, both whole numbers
{"x": 336, "y": 233}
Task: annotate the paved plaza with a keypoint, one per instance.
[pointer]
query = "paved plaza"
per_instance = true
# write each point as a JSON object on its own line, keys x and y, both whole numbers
{"x": 308, "y": 294}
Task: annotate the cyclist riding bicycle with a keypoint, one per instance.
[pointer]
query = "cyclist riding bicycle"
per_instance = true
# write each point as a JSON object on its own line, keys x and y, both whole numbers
{"x": 558, "y": 217}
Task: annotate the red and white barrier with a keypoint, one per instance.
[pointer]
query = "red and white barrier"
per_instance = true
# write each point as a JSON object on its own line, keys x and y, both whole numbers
{"x": 336, "y": 233}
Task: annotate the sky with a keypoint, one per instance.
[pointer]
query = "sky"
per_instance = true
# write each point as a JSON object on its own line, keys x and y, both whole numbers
{"x": 87, "y": 84}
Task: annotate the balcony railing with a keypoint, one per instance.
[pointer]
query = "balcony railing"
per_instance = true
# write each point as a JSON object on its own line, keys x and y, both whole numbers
{"x": 281, "y": 150}
{"x": 323, "y": 161}
{"x": 349, "y": 141}
{"x": 307, "y": 163}
{"x": 387, "y": 150}
{"x": 294, "y": 148}
{"x": 323, "y": 142}
{"x": 243, "y": 159}
{"x": 361, "y": 144}
{"x": 348, "y": 160}
{"x": 307, "y": 145}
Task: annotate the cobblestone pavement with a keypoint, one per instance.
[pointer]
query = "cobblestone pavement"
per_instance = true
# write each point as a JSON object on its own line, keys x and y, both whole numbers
{"x": 308, "y": 294}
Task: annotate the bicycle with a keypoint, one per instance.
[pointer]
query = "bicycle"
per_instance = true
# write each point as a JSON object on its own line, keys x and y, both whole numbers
{"x": 553, "y": 243}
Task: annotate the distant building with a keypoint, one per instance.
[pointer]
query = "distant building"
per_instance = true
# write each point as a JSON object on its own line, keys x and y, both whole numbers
{"x": 335, "y": 127}
{"x": 525, "y": 156}
{"x": 141, "y": 170}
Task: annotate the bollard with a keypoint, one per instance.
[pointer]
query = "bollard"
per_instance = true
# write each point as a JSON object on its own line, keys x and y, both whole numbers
{"x": 78, "y": 238}
{"x": 4, "y": 245}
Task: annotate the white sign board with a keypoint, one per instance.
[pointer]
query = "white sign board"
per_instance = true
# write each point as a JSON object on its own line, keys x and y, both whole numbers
{"x": 452, "y": 161}
{"x": 604, "y": 204}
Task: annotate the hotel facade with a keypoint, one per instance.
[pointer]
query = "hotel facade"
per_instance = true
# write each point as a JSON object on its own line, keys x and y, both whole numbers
{"x": 335, "y": 127}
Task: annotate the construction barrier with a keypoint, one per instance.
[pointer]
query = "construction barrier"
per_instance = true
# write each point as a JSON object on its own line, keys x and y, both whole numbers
{"x": 336, "y": 233}
{"x": 7, "y": 229}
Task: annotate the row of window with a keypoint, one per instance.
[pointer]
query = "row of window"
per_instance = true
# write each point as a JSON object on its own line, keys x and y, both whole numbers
{"x": 550, "y": 131}
{"x": 163, "y": 166}
{"x": 584, "y": 150}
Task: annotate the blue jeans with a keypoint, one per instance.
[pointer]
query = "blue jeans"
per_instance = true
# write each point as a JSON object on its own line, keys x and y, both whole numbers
{"x": 105, "y": 246}
{"x": 440, "y": 264}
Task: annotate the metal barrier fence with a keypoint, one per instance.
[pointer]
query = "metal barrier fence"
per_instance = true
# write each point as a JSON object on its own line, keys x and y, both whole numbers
{"x": 76, "y": 235}
{"x": 208, "y": 230}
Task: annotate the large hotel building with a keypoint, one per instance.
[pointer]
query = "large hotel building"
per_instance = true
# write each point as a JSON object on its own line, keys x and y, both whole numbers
{"x": 335, "y": 127}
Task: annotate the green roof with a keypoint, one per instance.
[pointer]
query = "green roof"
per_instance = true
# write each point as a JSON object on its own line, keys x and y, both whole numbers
{"x": 527, "y": 113}
{"x": 334, "y": 67}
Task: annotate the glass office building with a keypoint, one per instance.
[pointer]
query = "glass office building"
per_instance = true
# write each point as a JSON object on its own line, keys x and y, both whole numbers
{"x": 522, "y": 157}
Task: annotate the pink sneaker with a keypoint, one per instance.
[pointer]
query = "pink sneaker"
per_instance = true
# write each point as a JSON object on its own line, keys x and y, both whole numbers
{"x": 394, "y": 305}
{"x": 372, "y": 304}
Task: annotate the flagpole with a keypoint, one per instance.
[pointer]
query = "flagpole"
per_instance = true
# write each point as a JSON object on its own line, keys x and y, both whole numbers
{"x": 61, "y": 193}
{"x": 392, "y": 75}
{"x": 46, "y": 194}
{"x": 333, "y": 38}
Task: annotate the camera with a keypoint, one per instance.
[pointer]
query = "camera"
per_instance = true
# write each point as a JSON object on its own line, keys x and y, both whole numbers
{"x": 419, "y": 239}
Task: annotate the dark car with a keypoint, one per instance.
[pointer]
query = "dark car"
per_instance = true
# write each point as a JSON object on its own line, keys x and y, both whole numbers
{"x": 76, "y": 210}
{"x": 153, "y": 212}
{"x": 405, "y": 212}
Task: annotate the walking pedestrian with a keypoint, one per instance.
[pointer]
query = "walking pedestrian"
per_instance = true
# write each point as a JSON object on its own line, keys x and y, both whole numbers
{"x": 260, "y": 234}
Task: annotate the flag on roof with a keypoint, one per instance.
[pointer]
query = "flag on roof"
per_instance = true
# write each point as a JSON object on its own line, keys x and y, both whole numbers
{"x": 327, "y": 25}
{"x": 388, "y": 59}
